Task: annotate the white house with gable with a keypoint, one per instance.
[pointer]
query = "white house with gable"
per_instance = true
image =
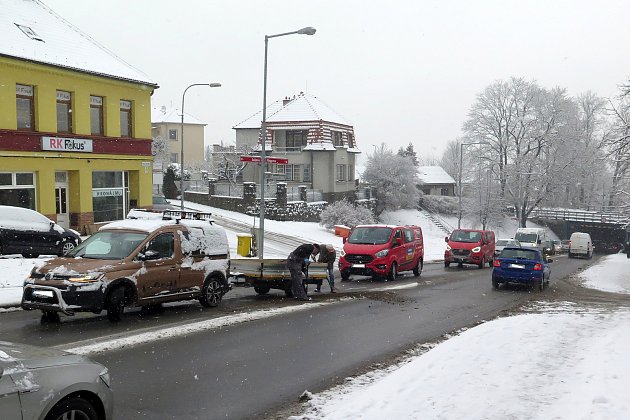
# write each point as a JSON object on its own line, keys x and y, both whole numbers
{"x": 434, "y": 180}
{"x": 319, "y": 144}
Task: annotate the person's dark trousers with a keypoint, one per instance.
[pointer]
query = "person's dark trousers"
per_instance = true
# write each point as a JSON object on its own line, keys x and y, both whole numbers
{"x": 331, "y": 278}
{"x": 295, "y": 267}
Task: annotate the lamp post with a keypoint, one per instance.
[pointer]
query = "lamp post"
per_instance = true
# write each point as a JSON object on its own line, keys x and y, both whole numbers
{"x": 263, "y": 132}
{"x": 181, "y": 151}
{"x": 461, "y": 164}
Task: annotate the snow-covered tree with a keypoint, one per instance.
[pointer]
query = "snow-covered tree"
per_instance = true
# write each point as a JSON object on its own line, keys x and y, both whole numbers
{"x": 176, "y": 168}
{"x": 345, "y": 213}
{"x": 394, "y": 179}
{"x": 410, "y": 153}
{"x": 159, "y": 149}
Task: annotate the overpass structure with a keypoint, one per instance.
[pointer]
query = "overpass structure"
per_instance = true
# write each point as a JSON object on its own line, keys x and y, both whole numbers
{"x": 609, "y": 227}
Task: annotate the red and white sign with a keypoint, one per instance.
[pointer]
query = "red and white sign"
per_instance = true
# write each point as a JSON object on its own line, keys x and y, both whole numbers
{"x": 258, "y": 159}
{"x": 63, "y": 144}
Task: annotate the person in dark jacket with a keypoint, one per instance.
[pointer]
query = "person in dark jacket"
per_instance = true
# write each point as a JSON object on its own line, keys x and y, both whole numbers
{"x": 328, "y": 255}
{"x": 295, "y": 262}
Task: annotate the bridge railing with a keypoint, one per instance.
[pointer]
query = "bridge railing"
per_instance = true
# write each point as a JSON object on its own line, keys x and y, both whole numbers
{"x": 580, "y": 216}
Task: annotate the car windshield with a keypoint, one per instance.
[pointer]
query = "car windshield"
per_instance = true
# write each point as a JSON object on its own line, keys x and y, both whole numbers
{"x": 526, "y": 237}
{"x": 465, "y": 236}
{"x": 109, "y": 245}
{"x": 370, "y": 235}
{"x": 525, "y": 254}
{"x": 503, "y": 242}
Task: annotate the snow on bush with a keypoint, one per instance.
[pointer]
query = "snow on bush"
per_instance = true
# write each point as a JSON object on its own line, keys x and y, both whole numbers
{"x": 345, "y": 213}
{"x": 439, "y": 204}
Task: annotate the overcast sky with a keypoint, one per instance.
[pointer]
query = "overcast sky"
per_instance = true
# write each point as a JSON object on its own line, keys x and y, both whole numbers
{"x": 400, "y": 71}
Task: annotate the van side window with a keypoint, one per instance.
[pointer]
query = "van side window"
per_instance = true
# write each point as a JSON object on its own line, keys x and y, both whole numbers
{"x": 408, "y": 235}
{"x": 164, "y": 244}
{"x": 398, "y": 234}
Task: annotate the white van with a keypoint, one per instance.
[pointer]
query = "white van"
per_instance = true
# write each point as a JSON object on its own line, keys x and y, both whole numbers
{"x": 531, "y": 237}
{"x": 581, "y": 245}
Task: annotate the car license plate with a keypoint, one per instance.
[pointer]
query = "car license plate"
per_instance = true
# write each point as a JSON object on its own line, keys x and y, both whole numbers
{"x": 358, "y": 265}
{"x": 521, "y": 266}
{"x": 43, "y": 293}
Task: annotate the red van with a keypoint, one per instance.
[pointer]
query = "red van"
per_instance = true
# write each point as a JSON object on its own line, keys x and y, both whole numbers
{"x": 382, "y": 251}
{"x": 468, "y": 246}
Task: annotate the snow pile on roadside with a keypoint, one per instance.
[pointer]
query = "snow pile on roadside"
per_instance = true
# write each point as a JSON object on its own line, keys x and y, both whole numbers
{"x": 562, "y": 365}
{"x": 610, "y": 274}
{"x": 14, "y": 271}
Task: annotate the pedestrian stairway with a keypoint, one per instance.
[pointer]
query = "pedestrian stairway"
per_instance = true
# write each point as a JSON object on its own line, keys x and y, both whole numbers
{"x": 437, "y": 221}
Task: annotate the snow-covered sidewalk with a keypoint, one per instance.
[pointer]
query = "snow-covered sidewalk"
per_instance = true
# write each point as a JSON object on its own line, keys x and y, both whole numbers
{"x": 556, "y": 362}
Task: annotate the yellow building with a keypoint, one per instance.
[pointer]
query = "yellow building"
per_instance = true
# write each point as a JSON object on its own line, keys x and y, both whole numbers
{"x": 75, "y": 121}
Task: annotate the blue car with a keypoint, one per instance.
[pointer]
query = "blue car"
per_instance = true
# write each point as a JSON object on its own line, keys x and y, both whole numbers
{"x": 517, "y": 265}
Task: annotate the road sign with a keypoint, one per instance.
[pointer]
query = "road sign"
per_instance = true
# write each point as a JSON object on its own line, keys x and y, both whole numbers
{"x": 258, "y": 159}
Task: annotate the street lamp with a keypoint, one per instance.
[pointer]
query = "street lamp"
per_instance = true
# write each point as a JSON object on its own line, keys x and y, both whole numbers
{"x": 181, "y": 151}
{"x": 461, "y": 164}
{"x": 263, "y": 130}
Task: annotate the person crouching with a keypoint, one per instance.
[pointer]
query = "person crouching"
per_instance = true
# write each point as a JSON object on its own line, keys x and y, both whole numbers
{"x": 295, "y": 262}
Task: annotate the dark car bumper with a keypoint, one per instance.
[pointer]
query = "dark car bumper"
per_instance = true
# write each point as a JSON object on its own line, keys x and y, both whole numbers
{"x": 69, "y": 301}
{"x": 526, "y": 278}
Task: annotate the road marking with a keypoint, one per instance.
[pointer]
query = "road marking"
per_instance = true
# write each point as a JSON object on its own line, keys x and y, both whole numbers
{"x": 134, "y": 338}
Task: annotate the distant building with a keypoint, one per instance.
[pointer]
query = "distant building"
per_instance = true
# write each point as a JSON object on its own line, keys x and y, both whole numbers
{"x": 435, "y": 181}
{"x": 318, "y": 142}
{"x": 75, "y": 133}
{"x": 167, "y": 124}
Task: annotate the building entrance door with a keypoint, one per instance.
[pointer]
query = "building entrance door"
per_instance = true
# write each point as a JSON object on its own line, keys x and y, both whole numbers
{"x": 61, "y": 199}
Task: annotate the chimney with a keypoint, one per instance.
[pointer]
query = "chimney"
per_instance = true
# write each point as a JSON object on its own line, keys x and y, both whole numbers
{"x": 286, "y": 101}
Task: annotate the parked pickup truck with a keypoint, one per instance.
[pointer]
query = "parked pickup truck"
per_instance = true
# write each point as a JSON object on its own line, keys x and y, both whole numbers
{"x": 272, "y": 273}
{"x": 135, "y": 263}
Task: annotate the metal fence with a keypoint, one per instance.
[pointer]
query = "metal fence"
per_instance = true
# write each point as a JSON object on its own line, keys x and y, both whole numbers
{"x": 580, "y": 216}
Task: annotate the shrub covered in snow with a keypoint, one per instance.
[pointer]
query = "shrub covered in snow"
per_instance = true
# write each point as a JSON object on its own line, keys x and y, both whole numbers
{"x": 440, "y": 204}
{"x": 345, "y": 213}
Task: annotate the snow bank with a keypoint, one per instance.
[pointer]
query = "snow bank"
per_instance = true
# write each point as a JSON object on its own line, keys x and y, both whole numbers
{"x": 610, "y": 274}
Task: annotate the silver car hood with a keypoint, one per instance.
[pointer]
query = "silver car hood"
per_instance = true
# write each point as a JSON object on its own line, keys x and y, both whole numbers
{"x": 31, "y": 357}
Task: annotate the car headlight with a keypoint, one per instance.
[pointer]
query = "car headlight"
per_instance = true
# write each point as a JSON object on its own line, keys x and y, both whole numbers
{"x": 342, "y": 253}
{"x": 104, "y": 375}
{"x": 476, "y": 249}
{"x": 381, "y": 254}
{"x": 86, "y": 278}
{"x": 448, "y": 247}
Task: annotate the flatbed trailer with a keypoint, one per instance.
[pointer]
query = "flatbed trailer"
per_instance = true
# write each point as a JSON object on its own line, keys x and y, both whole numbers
{"x": 272, "y": 273}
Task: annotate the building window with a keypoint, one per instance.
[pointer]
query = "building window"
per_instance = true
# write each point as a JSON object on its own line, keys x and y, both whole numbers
{"x": 125, "y": 118}
{"x": 172, "y": 134}
{"x": 444, "y": 191}
{"x": 174, "y": 157}
{"x": 291, "y": 172}
{"x": 350, "y": 140}
{"x": 96, "y": 114}
{"x": 341, "y": 172}
{"x": 64, "y": 112}
{"x": 350, "y": 172}
{"x": 17, "y": 189}
{"x": 110, "y": 195}
{"x": 296, "y": 140}
{"x": 307, "y": 173}
{"x": 25, "y": 107}
{"x": 336, "y": 138}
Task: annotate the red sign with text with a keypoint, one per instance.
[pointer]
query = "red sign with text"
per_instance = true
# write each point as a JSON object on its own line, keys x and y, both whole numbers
{"x": 258, "y": 159}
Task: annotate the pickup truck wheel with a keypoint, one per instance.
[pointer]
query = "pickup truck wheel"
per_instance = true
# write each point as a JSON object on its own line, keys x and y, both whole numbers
{"x": 116, "y": 304}
{"x": 262, "y": 290}
{"x": 211, "y": 293}
{"x": 418, "y": 268}
{"x": 66, "y": 246}
{"x": 393, "y": 272}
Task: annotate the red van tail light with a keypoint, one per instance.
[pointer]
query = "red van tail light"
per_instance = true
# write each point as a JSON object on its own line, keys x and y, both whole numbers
{"x": 497, "y": 263}
{"x": 537, "y": 267}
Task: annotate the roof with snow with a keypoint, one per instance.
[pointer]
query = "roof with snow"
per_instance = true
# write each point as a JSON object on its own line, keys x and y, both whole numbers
{"x": 301, "y": 108}
{"x": 163, "y": 114}
{"x": 31, "y": 31}
{"x": 434, "y": 175}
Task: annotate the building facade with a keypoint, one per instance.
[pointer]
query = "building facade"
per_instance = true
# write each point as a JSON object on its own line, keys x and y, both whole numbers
{"x": 166, "y": 125}
{"x": 434, "y": 180}
{"x": 319, "y": 144}
{"x": 75, "y": 133}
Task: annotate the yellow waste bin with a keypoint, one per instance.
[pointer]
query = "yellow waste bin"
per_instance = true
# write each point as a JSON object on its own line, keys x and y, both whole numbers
{"x": 244, "y": 244}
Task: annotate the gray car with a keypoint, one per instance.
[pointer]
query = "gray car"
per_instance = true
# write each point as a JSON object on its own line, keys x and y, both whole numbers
{"x": 40, "y": 383}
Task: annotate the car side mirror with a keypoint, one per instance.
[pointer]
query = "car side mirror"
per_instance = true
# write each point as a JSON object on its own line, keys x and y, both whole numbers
{"x": 446, "y": 239}
{"x": 149, "y": 255}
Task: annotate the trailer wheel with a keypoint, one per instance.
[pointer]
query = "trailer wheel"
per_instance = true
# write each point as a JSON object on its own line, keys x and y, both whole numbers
{"x": 262, "y": 290}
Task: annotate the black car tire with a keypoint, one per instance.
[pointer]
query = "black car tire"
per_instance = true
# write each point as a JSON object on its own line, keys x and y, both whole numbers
{"x": 491, "y": 262}
{"x": 288, "y": 292}
{"x": 211, "y": 292}
{"x": 541, "y": 284}
{"x": 418, "y": 268}
{"x": 75, "y": 408}
{"x": 393, "y": 271}
{"x": 345, "y": 275}
{"x": 495, "y": 284}
{"x": 116, "y": 304}
{"x": 482, "y": 263}
{"x": 262, "y": 290}
{"x": 50, "y": 317}
{"x": 447, "y": 264}
{"x": 66, "y": 246}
